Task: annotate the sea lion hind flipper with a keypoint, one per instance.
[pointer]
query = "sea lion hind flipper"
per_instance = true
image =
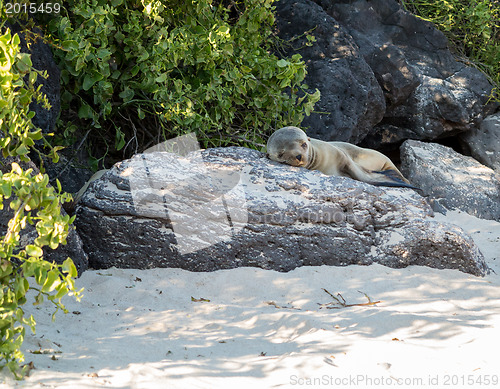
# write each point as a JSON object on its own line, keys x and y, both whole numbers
{"x": 396, "y": 185}
{"x": 394, "y": 175}
{"x": 395, "y": 180}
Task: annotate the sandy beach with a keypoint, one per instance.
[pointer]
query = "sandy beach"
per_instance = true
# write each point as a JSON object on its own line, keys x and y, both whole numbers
{"x": 248, "y": 327}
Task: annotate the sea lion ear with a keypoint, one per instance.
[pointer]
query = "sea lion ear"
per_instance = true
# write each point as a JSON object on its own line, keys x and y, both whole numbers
{"x": 309, "y": 139}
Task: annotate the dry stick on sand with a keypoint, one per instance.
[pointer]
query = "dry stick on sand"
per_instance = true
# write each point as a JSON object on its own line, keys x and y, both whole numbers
{"x": 343, "y": 303}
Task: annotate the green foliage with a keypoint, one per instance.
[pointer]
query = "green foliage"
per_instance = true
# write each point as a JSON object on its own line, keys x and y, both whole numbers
{"x": 139, "y": 72}
{"x": 31, "y": 201}
{"x": 14, "y": 115}
{"x": 473, "y": 27}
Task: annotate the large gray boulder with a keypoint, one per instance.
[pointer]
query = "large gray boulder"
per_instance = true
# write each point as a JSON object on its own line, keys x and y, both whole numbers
{"x": 231, "y": 207}
{"x": 452, "y": 180}
{"x": 428, "y": 93}
{"x": 484, "y": 143}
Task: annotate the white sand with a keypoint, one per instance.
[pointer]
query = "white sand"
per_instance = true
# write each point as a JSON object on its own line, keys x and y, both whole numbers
{"x": 140, "y": 329}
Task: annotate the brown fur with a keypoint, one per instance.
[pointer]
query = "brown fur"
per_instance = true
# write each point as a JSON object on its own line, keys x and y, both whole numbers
{"x": 291, "y": 145}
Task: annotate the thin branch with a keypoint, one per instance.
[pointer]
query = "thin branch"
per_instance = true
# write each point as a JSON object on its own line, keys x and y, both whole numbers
{"x": 343, "y": 304}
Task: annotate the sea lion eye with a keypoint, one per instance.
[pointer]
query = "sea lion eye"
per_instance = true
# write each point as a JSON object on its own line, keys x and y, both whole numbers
{"x": 280, "y": 155}
{"x": 304, "y": 145}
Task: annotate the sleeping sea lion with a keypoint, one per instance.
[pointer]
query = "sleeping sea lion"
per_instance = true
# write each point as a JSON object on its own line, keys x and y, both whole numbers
{"x": 292, "y": 146}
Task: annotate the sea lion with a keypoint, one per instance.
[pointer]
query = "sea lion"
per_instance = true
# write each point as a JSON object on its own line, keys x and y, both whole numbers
{"x": 292, "y": 146}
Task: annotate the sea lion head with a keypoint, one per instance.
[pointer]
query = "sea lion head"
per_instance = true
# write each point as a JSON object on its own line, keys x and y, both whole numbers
{"x": 289, "y": 145}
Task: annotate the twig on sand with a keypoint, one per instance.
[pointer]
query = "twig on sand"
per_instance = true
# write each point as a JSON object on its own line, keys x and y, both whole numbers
{"x": 343, "y": 304}
{"x": 281, "y": 307}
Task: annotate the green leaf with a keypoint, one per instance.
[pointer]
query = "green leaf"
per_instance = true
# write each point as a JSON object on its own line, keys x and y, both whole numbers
{"x": 62, "y": 290}
{"x": 162, "y": 78}
{"x": 282, "y": 63}
{"x": 103, "y": 54}
{"x": 5, "y": 188}
{"x": 39, "y": 275}
{"x": 24, "y": 63}
{"x": 34, "y": 251}
{"x": 36, "y": 135}
{"x": 127, "y": 94}
{"x": 69, "y": 267}
{"x": 51, "y": 281}
{"x": 22, "y": 150}
{"x": 119, "y": 139}
{"x": 21, "y": 288}
{"x": 80, "y": 64}
{"x": 59, "y": 186}
{"x": 85, "y": 112}
{"x": 144, "y": 56}
{"x": 90, "y": 79}
{"x": 70, "y": 45}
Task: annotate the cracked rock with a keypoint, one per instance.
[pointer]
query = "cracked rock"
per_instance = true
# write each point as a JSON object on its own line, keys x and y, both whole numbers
{"x": 484, "y": 143}
{"x": 384, "y": 74}
{"x": 429, "y": 93}
{"x": 231, "y": 207}
{"x": 452, "y": 180}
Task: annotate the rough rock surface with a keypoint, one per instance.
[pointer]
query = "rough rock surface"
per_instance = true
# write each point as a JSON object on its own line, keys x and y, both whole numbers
{"x": 484, "y": 144}
{"x": 428, "y": 93}
{"x": 351, "y": 102}
{"x": 42, "y": 59}
{"x": 232, "y": 207}
{"x": 70, "y": 174}
{"x": 73, "y": 248}
{"x": 452, "y": 180}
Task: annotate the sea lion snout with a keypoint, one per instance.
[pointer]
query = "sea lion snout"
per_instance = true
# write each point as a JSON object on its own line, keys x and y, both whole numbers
{"x": 299, "y": 157}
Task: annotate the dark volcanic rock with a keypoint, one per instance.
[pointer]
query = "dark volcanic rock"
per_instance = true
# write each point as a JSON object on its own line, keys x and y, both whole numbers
{"x": 69, "y": 172}
{"x": 429, "y": 94}
{"x": 42, "y": 59}
{"x": 484, "y": 143}
{"x": 232, "y": 207}
{"x": 452, "y": 180}
{"x": 73, "y": 247}
{"x": 351, "y": 99}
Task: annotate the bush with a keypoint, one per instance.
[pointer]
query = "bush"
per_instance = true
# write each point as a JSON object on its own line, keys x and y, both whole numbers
{"x": 140, "y": 72}
{"x": 473, "y": 28}
{"x": 31, "y": 201}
